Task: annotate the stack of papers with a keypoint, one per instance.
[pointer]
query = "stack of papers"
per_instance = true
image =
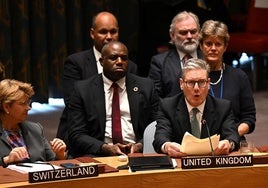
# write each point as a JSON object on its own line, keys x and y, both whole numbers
{"x": 32, "y": 167}
{"x": 196, "y": 146}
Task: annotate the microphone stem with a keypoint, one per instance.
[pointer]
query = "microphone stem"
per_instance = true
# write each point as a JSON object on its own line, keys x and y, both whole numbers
{"x": 210, "y": 142}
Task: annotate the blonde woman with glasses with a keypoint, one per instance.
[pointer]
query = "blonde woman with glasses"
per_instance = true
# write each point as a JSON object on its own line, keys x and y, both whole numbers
{"x": 22, "y": 140}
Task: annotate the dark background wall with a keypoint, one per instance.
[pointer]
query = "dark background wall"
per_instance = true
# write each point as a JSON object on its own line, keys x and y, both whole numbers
{"x": 37, "y": 35}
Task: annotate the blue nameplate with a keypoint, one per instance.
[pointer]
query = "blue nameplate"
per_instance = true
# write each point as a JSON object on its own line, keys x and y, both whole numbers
{"x": 65, "y": 173}
{"x": 216, "y": 161}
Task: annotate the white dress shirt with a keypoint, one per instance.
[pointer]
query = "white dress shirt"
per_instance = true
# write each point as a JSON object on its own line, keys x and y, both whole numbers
{"x": 126, "y": 124}
{"x": 97, "y": 55}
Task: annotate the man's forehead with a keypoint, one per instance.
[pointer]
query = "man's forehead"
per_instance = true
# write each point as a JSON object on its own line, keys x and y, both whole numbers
{"x": 116, "y": 48}
{"x": 195, "y": 73}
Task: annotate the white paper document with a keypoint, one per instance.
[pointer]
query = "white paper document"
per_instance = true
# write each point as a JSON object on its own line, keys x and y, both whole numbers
{"x": 32, "y": 167}
{"x": 196, "y": 146}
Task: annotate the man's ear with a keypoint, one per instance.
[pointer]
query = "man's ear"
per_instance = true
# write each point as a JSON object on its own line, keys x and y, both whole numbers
{"x": 181, "y": 83}
{"x": 91, "y": 33}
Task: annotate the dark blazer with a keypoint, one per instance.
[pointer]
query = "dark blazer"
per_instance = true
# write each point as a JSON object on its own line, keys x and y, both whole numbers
{"x": 87, "y": 113}
{"x": 173, "y": 120}
{"x": 236, "y": 88}
{"x": 78, "y": 66}
{"x": 165, "y": 70}
{"x": 35, "y": 141}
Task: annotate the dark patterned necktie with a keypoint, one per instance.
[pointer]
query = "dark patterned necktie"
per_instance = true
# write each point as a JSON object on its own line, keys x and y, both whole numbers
{"x": 116, "y": 116}
{"x": 185, "y": 58}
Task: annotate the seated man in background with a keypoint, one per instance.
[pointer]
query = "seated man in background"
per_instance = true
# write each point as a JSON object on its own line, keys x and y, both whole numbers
{"x": 95, "y": 128}
{"x": 175, "y": 113}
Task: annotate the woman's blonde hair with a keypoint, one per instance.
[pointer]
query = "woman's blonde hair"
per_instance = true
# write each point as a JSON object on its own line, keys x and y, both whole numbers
{"x": 215, "y": 29}
{"x": 12, "y": 90}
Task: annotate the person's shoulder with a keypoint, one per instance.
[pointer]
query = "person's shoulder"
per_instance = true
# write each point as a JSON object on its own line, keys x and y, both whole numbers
{"x": 30, "y": 125}
{"x": 131, "y": 76}
{"x": 92, "y": 79}
{"x": 218, "y": 102}
{"x": 172, "y": 100}
{"x": 234, "y": 71}
{"x": 163, "y": 55}
{"x": 143, "y": 83}
{"x": 80, "y": 54}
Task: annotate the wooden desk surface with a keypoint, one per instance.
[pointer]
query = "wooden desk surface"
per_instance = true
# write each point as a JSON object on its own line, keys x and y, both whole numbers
{"x": 255, "y": 176}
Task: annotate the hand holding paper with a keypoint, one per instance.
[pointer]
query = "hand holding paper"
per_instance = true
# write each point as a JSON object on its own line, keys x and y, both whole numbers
{"x": 195, "y": 146}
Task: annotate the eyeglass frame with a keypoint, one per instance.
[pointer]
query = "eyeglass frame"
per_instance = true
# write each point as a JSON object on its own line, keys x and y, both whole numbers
{"x": 201, "y": 83}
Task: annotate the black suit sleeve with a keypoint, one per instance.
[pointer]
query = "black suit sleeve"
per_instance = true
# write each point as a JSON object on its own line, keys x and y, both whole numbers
{"x": 71, "y": 73}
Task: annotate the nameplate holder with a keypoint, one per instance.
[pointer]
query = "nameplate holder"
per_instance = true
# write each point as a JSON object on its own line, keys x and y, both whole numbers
{"x": 216, "y": 161}
{"x": 63, "y": 174}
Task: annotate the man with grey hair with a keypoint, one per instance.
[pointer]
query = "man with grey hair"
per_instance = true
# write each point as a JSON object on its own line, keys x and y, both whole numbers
{"x": 165, "y": 68}
{"x": 176, "y": 114}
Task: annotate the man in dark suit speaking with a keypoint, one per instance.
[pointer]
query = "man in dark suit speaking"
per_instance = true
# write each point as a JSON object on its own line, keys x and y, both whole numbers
{"x": 91, "y": 108}
{"x": 187, "y": 111}
{"x": 82, "y": 65}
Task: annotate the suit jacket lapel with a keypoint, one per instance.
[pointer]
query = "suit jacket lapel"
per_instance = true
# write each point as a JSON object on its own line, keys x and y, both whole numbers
{"x": 24, "y": 129}
{"x": 3, "y": 136}
{"x": 134, "y": 100}
{"x": 183, "y": 120}
{"x": 99, "y": 97}
{"x": 174, "y": 61}
{"x": 209, "y": 117}
{"x": 91, "y": 65}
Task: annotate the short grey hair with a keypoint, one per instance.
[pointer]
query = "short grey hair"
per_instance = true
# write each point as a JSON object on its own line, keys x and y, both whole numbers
{"x": 193, "y": 64}
{"x": 181, "y": 16}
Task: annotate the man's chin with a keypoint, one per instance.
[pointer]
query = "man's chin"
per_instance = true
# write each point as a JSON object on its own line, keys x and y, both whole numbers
{"x": 120, "y": 73}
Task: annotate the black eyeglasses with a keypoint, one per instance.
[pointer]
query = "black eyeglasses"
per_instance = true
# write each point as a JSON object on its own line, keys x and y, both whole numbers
{"x": 185, "y": 32}
{"x": 191, "y": 83}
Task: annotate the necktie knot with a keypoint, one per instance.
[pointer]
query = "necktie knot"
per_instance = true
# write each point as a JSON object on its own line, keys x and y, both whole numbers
{"x": 185, "y": 58}
{"x": 195, "y": 111}
{"x": 114, "y": 85}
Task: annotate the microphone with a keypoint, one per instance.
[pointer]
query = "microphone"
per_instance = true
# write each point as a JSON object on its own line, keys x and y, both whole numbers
{"x": 204, "y": 122}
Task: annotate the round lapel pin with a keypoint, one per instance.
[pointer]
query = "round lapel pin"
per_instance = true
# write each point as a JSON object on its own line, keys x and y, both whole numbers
{"x": 135, "y": 89}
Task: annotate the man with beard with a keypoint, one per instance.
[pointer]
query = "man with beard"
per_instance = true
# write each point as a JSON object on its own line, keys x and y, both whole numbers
{"x": 166, "y": 67}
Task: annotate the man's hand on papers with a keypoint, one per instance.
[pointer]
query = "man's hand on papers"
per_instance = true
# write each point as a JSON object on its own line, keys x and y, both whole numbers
{"x": 196, "y": 146}
{"x": 223, "y": 148}
{"x": 173, "y": 149}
